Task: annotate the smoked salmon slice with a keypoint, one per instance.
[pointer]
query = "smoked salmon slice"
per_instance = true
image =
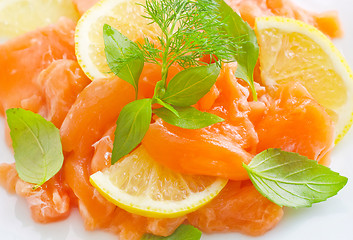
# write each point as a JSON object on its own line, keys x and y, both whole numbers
{"x": 61, "y": 82}
{"x": 295, "y": 122}
{"x": 238, "y": 208}
{"x": 48, "y": 203}
{"x": 23, "y": 58}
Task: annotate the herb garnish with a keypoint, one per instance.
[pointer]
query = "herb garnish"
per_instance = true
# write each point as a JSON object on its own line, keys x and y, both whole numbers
{"x": 291, "y": 180}
{"x": 37, "y": 146}
{"x": 190, "y": 30}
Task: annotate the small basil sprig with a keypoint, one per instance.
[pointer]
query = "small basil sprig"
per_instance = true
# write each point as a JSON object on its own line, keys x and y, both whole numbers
{"x": 183, "y": 232}
{"x": 37, "y": 146}
{"x": 291, "y": 180}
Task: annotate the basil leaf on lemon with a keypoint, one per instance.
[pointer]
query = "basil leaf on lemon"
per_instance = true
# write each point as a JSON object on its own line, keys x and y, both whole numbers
{"x": 190, "y": 85}
{"x": 189, "y": 117}
{"x": 247, "y": 47}
{"x": 184, "y": 232}
{"x": 291, "y": 180}
{"x": 37, "y": 146}
{"x": 131, "y": 126}
{"x": 123, "y": 56}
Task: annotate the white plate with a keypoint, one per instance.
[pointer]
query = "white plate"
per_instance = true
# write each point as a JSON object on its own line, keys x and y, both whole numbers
{"x": 332, "y": 219}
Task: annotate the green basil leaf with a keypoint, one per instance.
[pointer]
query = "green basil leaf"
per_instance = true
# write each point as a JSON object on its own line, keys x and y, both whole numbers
{"x": 183, "y": 232}
{"x": 37, "y": 146}
{"x": 167, "y": 106}
{"x": 123, "y": 56}
{"x": 248, "y": 48}
{"x": 289, "y": 179}
{"x": 189, "y": 85}
{"x": 131, "y": 126}
{"x": 189, "y": 117}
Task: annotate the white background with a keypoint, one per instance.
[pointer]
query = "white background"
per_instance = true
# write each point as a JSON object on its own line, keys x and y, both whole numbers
{"x": 332, "y": 219}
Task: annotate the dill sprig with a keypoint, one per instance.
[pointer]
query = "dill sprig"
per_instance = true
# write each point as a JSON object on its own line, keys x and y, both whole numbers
{"x": 189, "y": 30}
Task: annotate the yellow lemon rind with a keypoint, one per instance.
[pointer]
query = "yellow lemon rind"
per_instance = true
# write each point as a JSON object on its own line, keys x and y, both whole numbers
{"x": 151, "y": 208}
{"x": 82, "y": 42}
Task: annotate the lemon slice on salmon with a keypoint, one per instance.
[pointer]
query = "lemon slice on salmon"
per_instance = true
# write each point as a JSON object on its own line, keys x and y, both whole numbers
{"x": 142, "y": 186}
{"x": 292, "y": 50}
{"x": 20, "y": 16}
{"x": 125, "y": 16}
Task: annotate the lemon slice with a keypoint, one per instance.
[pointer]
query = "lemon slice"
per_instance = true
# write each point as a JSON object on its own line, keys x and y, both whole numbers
{"x": 291, "y": 50}
{"x": 20, "y": 16}
{"x": 142, "y": 186}
{"x": 125, "y": 16}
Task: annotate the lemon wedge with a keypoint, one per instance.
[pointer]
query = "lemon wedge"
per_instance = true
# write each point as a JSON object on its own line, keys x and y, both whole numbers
{"x": 125, "y": 16}
{"x": 292, "y": 50}
{"x": 142, "y": 186}
{"x": 20, "y": 16}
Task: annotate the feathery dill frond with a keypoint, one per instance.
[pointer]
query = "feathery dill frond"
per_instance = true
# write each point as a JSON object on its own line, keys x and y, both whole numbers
{"x": 190, "y": 30}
